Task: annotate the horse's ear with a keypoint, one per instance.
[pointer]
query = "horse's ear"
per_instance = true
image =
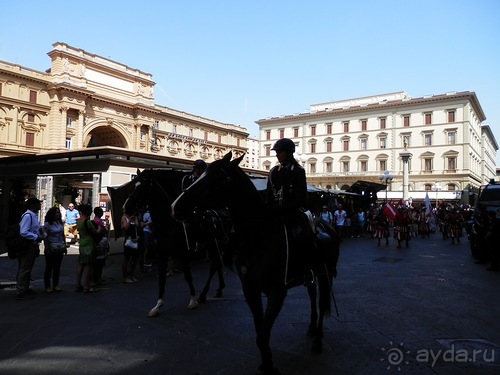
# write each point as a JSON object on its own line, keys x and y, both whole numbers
{"x": 227, "y": 158}
{"x": 237, "y": 161}
{"x": 138, "y": 172}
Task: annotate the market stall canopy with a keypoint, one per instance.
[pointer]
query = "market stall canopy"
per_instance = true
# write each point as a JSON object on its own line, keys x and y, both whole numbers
{"x": 360, "y": 186}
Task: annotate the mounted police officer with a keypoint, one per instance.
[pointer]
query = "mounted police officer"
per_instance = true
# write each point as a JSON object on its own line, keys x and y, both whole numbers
{"x": 199, "y": 166}
{"x": 287, "y": 196}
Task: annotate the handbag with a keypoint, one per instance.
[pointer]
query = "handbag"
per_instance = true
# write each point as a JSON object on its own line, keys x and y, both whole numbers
{"x": 58, "y": 248}
{"x": 131, "y": 243}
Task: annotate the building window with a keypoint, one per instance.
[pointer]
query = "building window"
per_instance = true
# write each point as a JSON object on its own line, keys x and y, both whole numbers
{"x": 363, "y": 166}
{"x": 382, "y": 122}
{"x": 406, "y": 141}
{"x": 406, "y": 121}
{"x": 382, "y": 165}
{"x": 383, "y": 142}
{"x": 296, "y": 132}
{"x": 174, "y": 128}
{"x": 363, "y": 143}
{"x": 268, "y": 135}
{"x": 191, "y": 133}
{"x": 312, "y": 168}
{"x": 452, "y": 163}
{"x": 282, "y": 133}
{"x": 328, "y": 146}
{"x": 313, "y": 130}
{"x": 144, "y": 132}
{"x": 312, "y": 148}
{"x": 451, "y": 187}
{"x": 346, "y": 126}
{"x": 30, "y": 139}
{"x": 328, "y": 167}
{"x": 428, "y": 118}
{"x": 451, "y": 116}
{"x": 428, "y": 139}
{"x": 363, "y": 125}
{"x": 205, "y": 136}
{"x": 69, "y": 121}
{"x": 31, "y": 118}
{"x": 156, "y": 124}
{"x": 68, "y": 143}
{"x": 345, "y": 145}
{"x": 428, "y": 165}
{"x": 329, "y": 128}
{"x": 452, "y": 138}
{"x": 345, "y": 166}
{"x": 32, "y": 96}
{"x": 219, "y": 139}
{"x": 267, "y": 150}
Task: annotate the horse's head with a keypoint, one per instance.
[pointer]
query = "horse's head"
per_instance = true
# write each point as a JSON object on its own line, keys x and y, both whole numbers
{"x": 209, "y": 190}
{"x": 137, "y": 198}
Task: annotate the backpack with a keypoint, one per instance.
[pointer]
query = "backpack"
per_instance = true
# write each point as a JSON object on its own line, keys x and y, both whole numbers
{"x": 16, "y": 244}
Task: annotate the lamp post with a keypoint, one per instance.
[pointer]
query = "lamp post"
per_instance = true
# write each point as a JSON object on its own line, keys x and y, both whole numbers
{"x": 436, "y": 188}
{"x": 471, "y": 195}
{"x": 387, "y": 177}
{"x": 303, "y": 159}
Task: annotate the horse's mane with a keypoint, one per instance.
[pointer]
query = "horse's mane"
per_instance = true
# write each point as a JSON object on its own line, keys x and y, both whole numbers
{"x": 245, "y": 194}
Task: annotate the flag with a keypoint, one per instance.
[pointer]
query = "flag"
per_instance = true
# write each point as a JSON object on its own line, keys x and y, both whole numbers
{"x": 390, "y": 211}
{"x": 427, "y": 204}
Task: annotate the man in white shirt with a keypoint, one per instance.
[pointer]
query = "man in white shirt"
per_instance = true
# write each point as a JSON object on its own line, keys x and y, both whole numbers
{"x": 340, "y": 216}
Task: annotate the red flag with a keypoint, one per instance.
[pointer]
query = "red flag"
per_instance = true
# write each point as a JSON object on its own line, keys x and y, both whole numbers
{"x": 390, "y": 211}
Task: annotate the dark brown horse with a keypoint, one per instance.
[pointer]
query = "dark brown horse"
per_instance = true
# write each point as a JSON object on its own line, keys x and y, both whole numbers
{"x": 261, "y": 254}
{"x": 157, "y": 189}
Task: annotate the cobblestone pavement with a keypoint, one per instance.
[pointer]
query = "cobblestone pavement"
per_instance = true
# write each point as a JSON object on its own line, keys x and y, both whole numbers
{"x": 427, "y": 309}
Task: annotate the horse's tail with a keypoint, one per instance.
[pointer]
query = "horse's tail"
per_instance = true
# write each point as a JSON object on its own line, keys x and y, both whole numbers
{"x": 329, "y": 246}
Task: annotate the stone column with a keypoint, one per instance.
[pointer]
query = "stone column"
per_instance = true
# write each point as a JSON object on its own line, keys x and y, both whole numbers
{"x": 406, "y": 156}
{"x": 80, "y": 130}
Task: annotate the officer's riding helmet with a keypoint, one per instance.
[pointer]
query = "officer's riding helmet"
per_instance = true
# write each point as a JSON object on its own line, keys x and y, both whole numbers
{"x": 200, "y": 164}
{"x": 284, "y": 144}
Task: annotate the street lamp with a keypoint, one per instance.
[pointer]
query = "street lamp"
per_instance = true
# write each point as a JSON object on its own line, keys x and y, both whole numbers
{"x": 436, "y": 188}
{"x": 302, "y": 158}
{"x": 387, "y": 177}
{"x": 471, "y": 195}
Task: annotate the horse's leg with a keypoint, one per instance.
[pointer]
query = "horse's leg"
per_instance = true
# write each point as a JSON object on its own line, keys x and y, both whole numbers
{"x": 325, "y": 282}
{"x": 188, "y": 276}
{"x": 273, "y": 307}
{"x": 222, "y": 283}
{"x": 203, "y": 295}
{"x": 163, "y": 256}
{"x": 217, "y": 264}
{"x": 313, "y": 326}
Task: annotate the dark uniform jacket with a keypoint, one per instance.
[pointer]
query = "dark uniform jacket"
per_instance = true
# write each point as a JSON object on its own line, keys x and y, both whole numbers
{"x": 287, "y": 189}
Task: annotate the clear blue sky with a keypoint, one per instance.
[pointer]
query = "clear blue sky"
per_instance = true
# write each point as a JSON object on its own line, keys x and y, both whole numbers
{"x": 240, "y": 61}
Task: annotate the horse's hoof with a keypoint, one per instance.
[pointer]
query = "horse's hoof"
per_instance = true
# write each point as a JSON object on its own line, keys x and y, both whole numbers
{"x": 193, "y": 303}
{"x": 153, "y": 312}
{"x": 202, "y": 298}
{"x": 218, "y": 294}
